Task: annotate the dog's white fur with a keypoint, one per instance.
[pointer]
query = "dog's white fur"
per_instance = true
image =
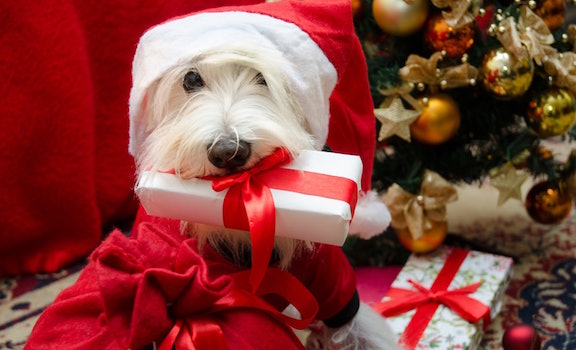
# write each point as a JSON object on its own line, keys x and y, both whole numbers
{"x": 182, "y": 125}
{"x": 234, "y": 103}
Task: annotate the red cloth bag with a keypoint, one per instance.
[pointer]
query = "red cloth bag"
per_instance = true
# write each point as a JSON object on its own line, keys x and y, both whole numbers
{"x": 65, "y": 169}
{"x": 136, "y": 290}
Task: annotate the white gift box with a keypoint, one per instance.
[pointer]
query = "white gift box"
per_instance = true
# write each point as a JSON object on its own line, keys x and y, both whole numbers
{"x": 298, "y": 215}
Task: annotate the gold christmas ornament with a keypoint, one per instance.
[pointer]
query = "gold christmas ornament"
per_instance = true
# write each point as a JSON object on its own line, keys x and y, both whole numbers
{"x": 548, "y": 203}
{"x": 420, "y": 71}
{"x": 395, "y": 119}
{"x": 552, "y": 12}
{"x": 527, "y": 36}
{"x": 561, "y": 68}
{"x": 571, "y": 35}
{"x": 440, "y": 36}
{"x": 503, "y": 75}
{"x": 420, "y": 213}
{"x": 508, "y": 181}
{"x": 458, "y": 13}
{"x": 433, "y": 236}
{"x": 400, "y": 17}
{"x": 551, "y": 112}
{"x": 439, "y": 121}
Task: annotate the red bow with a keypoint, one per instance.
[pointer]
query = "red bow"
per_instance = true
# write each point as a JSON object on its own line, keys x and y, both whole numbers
{"x": 248, "y": 204}
{"x": 251, "y": 198}
{"x": 158, "y": 287}
{"x": 426, "y": 301}
{"x": 203, "y": 332}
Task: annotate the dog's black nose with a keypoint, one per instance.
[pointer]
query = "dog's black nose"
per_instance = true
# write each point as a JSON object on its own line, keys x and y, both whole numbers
{"x": 228, "y": 153}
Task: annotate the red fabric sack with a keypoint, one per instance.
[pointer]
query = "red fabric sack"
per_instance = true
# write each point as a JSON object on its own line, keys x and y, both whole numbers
{"x": 65, "y": 168}
{"x": 149, "y": 287}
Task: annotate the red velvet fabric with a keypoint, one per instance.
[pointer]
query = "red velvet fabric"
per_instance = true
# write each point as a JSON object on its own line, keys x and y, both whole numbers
{"x": 66, "y": 77}
{"x": 134, "y": 289}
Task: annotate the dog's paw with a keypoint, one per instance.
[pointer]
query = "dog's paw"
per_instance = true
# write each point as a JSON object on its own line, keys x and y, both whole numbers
{"x": 367, "y": 331}
{"x": 320, "y": 337}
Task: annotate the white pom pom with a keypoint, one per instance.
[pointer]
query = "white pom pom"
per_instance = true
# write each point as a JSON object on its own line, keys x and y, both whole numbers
{"x": 371, "y": 216}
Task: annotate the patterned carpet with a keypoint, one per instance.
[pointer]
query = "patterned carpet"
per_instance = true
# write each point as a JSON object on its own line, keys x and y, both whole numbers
{"x": 542, "y": 291}
{"x": 23, "y": 299}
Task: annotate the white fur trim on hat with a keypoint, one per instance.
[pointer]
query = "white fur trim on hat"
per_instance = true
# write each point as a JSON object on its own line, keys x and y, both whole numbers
{"x": 311, "y": 75}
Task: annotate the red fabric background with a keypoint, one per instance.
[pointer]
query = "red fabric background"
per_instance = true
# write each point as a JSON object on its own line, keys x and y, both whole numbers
{"x": 65, "y": 171}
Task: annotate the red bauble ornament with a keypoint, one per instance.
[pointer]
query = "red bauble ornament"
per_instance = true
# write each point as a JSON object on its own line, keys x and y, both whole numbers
{"x": 440, "y": 36}
{"x": 552, "y": 12}
{"x": 521, "y": 337}
{"x": 548, "y": 202}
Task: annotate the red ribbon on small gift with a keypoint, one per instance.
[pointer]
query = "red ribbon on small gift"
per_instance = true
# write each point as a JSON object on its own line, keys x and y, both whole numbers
{"x": 248, "y": 204}
{"x": 426, "y": 301}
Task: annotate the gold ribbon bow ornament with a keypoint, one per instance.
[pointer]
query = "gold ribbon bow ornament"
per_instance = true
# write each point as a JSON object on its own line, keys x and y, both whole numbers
{"x": 530, "y": 36}
{"x": 426, "y": 71}
{"x": 562, "y": 69}
{"x": 416, "y": 212}
{"x": 571, "y": 35}
{"x": 458, "y": 14}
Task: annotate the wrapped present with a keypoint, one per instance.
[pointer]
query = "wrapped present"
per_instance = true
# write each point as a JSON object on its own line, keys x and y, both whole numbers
{"x": 446, "y": 299}
{"x": 314, "y": 197}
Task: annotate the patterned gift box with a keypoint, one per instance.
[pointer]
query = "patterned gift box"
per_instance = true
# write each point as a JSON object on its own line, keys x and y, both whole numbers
{"x": 446, "y": 329}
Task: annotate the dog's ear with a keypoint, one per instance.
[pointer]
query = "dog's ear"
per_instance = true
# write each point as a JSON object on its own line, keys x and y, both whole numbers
{"x": 148, "y": 116}
{"x": 142, "y": 124}
{"x": 138, "y": 129}
{"x": 151, "y": 109}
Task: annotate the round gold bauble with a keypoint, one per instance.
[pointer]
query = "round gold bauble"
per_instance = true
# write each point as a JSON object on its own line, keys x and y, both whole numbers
{"x": 552, "y": 12}
{"x": 433, "y": 236}
{"x": 440, "y": 36}
{"x": 400, "y": 17}
{"x": 439, "y": 121}
{"x": 548, "y": 202}
{"x": 551, "y": 112}
{"x": 503, "y": 75}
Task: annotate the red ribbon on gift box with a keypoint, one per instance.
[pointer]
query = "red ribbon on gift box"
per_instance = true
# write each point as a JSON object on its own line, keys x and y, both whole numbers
{"x": 248, "y": 204}
{"x": 426, "y": 301}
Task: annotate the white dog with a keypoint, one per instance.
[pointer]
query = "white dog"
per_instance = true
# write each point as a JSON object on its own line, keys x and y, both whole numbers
{"x": 225, "y": 102}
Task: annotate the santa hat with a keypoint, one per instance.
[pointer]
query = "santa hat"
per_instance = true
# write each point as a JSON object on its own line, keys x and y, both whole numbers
{"x": 328, "y": 77}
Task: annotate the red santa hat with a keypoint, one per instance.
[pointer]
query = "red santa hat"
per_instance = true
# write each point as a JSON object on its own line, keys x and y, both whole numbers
{"x": 328, "y": 77}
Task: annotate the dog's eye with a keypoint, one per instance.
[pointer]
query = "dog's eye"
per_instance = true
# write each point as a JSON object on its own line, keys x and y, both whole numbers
{"x": 192, "y": 81}
{"x": 260, "y": 79}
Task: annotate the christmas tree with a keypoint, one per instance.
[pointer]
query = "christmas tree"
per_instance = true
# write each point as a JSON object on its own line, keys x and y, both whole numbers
{"x": 466, "y": 91}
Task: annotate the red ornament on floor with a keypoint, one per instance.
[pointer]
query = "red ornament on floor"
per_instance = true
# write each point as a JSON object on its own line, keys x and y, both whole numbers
{"x": 521, "y": 337}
